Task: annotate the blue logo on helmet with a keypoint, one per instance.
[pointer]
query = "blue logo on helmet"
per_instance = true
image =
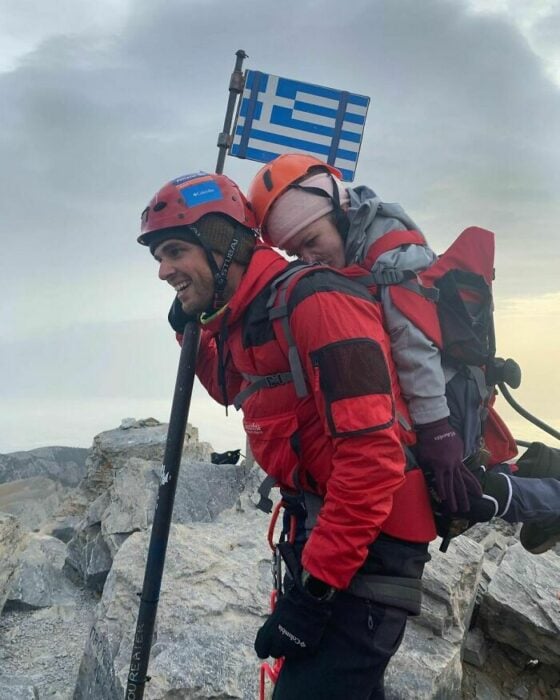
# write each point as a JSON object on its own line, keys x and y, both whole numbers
{"x": 201, "y": 193}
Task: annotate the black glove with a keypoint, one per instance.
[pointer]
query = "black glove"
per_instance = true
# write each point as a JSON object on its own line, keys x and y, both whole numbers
{"x": 296, "y": 625}
{"x": 295, "y": 628}
{"x": 177, "y": 318}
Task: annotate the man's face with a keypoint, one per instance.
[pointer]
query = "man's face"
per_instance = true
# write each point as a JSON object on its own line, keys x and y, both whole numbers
{"x": 318, "y": 242}
{"x": 185, "y": 267}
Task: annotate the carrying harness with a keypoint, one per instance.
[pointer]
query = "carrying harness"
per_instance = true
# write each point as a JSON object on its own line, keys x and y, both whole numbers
{"x": 302, "y": 505}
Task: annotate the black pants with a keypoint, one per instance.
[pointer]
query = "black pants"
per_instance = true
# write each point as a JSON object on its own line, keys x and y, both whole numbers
{"x": 360, "y": 639}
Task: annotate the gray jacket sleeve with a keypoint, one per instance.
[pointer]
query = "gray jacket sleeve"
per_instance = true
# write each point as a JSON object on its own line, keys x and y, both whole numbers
{"x": 417, "y": 359}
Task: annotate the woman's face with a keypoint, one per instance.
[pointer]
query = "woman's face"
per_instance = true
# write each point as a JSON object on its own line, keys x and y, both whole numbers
{"x": 319, "y": 242}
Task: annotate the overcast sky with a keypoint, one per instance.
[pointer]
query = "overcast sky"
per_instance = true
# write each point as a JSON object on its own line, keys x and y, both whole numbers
{"x": 103, "y": 102}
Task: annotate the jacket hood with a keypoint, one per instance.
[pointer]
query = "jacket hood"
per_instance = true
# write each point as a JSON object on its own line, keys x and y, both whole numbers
{"x": 370, "y": 218}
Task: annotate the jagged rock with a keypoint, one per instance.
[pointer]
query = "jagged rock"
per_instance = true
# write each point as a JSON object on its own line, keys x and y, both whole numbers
{"x": 450, "y": 582}
{"x": 38, "y": 581}
{"x": 214, "y": 596}
{"x": 425, "y": 667}
{"x": 203, "y": 491}
{"x": 11, "y": 543}
{"x": 522, "y": 605}
{"x": 145, "y": 439}
{"x": 506, "y": 670}
{"x": 32, "y": 500}
{"x": 66, "y": 465}
{"x": 215, "y": 592}
{"x": 88, "y": 558}
{"x": 428, "y": 663}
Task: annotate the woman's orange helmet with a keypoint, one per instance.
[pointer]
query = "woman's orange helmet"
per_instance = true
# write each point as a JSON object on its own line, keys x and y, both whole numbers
{"x": 276, "y": 177}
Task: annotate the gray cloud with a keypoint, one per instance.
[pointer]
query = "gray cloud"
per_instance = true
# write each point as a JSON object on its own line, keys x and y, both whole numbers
{"x": 463, "y": 128}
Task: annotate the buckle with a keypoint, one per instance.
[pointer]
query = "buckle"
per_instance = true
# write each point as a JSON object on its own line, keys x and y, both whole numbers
{"x": 273, "y": 380}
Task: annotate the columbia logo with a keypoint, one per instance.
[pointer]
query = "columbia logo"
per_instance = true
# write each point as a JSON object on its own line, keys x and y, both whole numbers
{"x": 444, "y": 436}
{"x": 292, "y": 637}
{"x": 253, "y": 428}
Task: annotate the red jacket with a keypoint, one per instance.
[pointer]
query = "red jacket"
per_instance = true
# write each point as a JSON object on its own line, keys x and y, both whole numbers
{"x": 342, "y": 440}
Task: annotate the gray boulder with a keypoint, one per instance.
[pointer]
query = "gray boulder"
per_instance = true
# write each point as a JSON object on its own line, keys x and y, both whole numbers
{"x": 428, "y": 662}
{"x": 203, "y": 491}
{"x": 145, "y": 439}
{"x": 521, "y": 607}
{"x": 213, "y": 599}
{"x": 38, "y": 581}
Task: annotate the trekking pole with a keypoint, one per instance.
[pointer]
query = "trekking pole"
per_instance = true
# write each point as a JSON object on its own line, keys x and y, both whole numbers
{"x": 523, "y": 412}
{"x": 149, "y": 598}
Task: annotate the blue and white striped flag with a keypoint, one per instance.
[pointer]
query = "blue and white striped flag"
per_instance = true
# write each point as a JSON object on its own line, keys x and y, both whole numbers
{"x": 277, "y": 115}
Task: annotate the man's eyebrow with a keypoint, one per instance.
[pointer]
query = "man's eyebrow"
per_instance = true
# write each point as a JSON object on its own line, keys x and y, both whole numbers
{"x": 166, "y": 246}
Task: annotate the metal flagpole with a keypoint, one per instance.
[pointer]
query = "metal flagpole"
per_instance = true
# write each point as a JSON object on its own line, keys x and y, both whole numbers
{"x": 235, "y": 89}
{"x": 236, "y": 85}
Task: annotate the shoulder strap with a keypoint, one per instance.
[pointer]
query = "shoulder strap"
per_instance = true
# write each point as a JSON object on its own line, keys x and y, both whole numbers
{"x": 279, "y": 289}
{"x": 390, "y": 240}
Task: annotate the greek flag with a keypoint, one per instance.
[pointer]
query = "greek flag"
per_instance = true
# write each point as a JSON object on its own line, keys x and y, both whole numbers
{"x": 277, "y": 115}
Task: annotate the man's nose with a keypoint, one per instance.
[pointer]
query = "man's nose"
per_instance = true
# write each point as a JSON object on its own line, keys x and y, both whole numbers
{"x": 166, "y": 269}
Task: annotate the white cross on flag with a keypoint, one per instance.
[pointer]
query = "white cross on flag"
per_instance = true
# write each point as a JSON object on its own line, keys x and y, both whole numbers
{"x": 278, "y": 115}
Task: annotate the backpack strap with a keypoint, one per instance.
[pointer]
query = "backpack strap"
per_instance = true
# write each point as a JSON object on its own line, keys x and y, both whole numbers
{"x": 390, "y": 240}
{"x": 279, "y": 291}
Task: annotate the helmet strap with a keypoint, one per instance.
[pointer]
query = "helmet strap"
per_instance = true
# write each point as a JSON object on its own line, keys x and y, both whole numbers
{"x": 220, "y": 274}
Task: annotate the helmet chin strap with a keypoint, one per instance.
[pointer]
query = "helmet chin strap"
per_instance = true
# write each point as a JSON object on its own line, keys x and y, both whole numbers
{"x": 220, "y": 274}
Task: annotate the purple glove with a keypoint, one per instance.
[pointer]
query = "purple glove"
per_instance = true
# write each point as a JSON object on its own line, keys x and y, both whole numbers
{"x": 439, "y": 450}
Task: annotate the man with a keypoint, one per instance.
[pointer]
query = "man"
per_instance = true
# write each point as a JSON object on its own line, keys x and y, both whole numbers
{"x": 304, "y": 208}
{"x": 327, "y": 433}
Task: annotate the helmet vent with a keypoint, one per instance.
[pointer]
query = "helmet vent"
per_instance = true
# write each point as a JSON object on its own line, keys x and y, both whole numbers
{"x": 267, "y": 179}
{"x": 159, "y": 206}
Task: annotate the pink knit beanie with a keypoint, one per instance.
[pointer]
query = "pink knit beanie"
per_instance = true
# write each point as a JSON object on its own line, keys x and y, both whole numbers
{"x": 295, "y": 208}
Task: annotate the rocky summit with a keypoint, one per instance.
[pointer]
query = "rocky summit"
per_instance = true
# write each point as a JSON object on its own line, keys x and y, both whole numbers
{"x": 74, "y": 531}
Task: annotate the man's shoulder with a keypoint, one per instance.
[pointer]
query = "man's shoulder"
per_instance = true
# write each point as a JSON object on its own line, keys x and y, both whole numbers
{"x": 323, "y": 279}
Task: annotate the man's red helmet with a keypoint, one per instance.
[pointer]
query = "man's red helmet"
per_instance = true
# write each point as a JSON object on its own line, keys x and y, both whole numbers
{"x": 188, "y": 198}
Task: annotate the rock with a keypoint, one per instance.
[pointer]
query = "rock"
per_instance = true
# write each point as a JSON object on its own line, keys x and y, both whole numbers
{"x": 475, "y": 649}
{"x": 38, "y": 581}
{"x": 213, "y": 599}
{"x": 426, "y": 666}
{"x": 203, "y": 491}
{"x": 88, "y": 558}
{"x": 66, "y": 465}
{"x": 450, "y": 583}
{"x": 12, "y": 541}
{"x": 32, "y": 500}
{"x": 63, "y": 527}
{"x": 145, "y": 439}
{"x": 522, "y": 607}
